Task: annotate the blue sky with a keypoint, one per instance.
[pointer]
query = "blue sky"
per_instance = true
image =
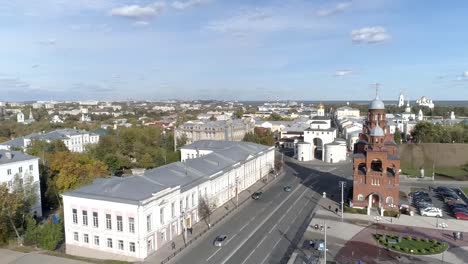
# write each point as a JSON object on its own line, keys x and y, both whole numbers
{"x": 234, "y": 50}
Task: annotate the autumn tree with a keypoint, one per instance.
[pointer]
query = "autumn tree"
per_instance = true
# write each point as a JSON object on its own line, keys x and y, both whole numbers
{"x": 397, "y": 136}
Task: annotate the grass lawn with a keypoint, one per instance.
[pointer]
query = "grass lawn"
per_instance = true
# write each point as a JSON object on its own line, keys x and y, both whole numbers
{"x": 457, "y": 173}
{"x": 410, "y": 245}
{"x": 465, "y": 190}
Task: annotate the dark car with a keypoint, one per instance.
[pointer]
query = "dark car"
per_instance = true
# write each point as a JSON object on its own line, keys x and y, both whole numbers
{"x": 418, "y": 194}
{"x": 256, "y": 195}
{"x": 219, "y": 240}
{"x": 287, "y": 188}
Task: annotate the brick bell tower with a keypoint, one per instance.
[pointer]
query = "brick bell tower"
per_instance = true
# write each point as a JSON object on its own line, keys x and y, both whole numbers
{"x": 376, "y": 163}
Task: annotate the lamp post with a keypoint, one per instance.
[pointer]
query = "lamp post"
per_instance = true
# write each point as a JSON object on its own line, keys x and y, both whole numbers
{"x": 443, "y": 226}
{"x": 377, "y": 219}
{"x": 184, "y": 225}
{"x": 342, "y": 184}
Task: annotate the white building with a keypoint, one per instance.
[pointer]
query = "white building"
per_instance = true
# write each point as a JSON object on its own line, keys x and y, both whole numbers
{"x": 335, "y": 152}
{"x": 304, "y": 152}
{"x": 319, "y": 134}
{"x": 346, "y": 111}
{"x": 129, "y": 218}
{"x": 401, "y": 100}
{"x": 14, "y": 163}
{"x": 20, "y": 117}
{"x": 424, "y": 101}
{"x": 56, "y": 120}
{"x": 75, "y": 140}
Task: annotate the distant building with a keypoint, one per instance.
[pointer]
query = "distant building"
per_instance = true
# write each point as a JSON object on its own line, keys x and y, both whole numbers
{"x": 75, "y": 140}
{"x": 401, "y": 100}
{"x": 20, "y": 118}
{"x": 130, "y": 218}
{"x": 424, "y": 101}
{"x": 14, "y": 163}
{"x": 56, "y": 120}
{"x": 346, "y": 111}
{"x": 230, "y": 130}
{"x": 376, "y": 173}
{"x": 321, "y": 110}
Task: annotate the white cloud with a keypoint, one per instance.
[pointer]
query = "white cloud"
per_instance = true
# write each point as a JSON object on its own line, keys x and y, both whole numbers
{"x": 340, "y": 73}
{"x": 465, "y": 74}
{"x": 141, "y": 23}
{"x": 48, "y": 42}
{"x": 188, "y": 4}
{"x": 138, "y": 12}
{"x": 370, "y": 35}
{"x": 338, "y": 8}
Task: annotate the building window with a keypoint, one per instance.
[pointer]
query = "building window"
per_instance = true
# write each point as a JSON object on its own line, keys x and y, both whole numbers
{"x": 95, "y": 219}
{"x": 20, "y": 169}
{"x": 96, "y": 240}
{"x": 132, "y": 247}
{"x": 108, "y": 221}
{"x": 75, "y": 236}
{"x": 75, "y": 216}
{"x": 389, "y": 200}
{"x": 86, "y": 238}
{"x": 360, "y": 197}
{"x": 172, "y": 210}
{"x": 131, "y": 225}
{"x": 121, "y": 246}
{"x": 31, "y": 167}
{"x": 148, "y": 223}
{"x": 109, "y": 242}
{"x": 119, "y": 223}
{"x": 85, "y": 217}
{"x": 9, "y": 171}
{"x": 161, "y": 216}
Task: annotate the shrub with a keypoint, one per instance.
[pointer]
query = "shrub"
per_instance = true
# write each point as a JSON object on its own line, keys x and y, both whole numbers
{"x": 391, "y": 213}
{"x": 406, "y": 249}
{"x": 426, "y": 240}
{"x": 418, "y": 239}
{"x": 409, "y": 237}
{"x": 432, "y": 250}
{"x": 434, "y": 241}
{"x": 397, "y": 247}
{"x": 422, "y": 251}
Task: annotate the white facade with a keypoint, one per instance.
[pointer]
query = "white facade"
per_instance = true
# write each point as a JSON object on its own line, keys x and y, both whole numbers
{"x": 318, "y": 138}
{"x": 424, "y": 101}
{"x": 14, "y": 163}
{"x": 20, "y": 117}
{"x": 401, "y": 100}
{"x": 56, "y": 120}
{"x": 157, "y": 219}
{"x": 335, "y": 152}
{"x": 304, "y": 151}
{"x": 346, "y": 111}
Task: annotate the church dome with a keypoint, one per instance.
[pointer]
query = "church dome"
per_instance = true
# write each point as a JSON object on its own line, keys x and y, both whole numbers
{"x": 377, "y": 131}
{"x": 377, "y": 104}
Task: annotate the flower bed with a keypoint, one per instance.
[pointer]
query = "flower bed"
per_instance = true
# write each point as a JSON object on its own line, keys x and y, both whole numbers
{"x": 411, "y": 245}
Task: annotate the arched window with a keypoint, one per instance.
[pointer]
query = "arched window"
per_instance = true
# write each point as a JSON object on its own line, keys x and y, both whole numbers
{"x": 389, "y": 200}
{"x": 360, "y": 197}
{"x": 376, "y": 165}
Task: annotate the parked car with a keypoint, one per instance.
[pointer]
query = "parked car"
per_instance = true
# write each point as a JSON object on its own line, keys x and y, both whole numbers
{"x": 256, "y": 195}
{"x": 418, "y": 194}
{"x": 287, "y": 188}
{"x": 450, "y": 197}
{"x": 219, "y": 240}
{"x": 442, "y": 189}
{"x": 461, "y": 215}
{"x": 459, "y": 209}
{"x": 431, "y": 211}
{"x": 456, "y": 202}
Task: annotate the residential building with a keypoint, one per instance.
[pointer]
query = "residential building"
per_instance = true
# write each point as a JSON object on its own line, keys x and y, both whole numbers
{"x": 424, "y": 101}
{"x": 75, "y": 140}
{"x": 376, "y": 170}
{"x": 231, "y": 130}
{"x": 14, "y": 163}
{"x": 346, "y": 111}
{"x": 129, "y": 218}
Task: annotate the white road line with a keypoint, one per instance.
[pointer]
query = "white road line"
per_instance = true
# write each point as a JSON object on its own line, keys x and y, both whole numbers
{"x": 269, "y": 232}
{"x": 247, "y": 257}
{"x": 246, "y": 224}
{"x": 265, "y": 258}
{"x": 260, "y": 225}
{"x": 231, "y": 238}
{"x": 213, "y": 254}
{"x": 277, "y": 242}
{"x": 261, "y": 241}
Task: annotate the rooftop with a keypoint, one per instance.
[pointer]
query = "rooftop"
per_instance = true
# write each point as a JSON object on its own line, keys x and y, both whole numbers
{"x": 15, "y": 156}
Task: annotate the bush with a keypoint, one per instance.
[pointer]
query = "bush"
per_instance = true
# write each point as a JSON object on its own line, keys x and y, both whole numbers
{"x": 418, "y": 239}
{"x": 434, "y": 241}
{"x": 409, "y": 237}
{"x": 391, "y": 213}
{"x": 355, "y": 210}
{"x": 432, "y": 250}
{"x": 426, "y": 240}
{"x": 406, "y": 249}
{"x": 422, "y": 251}
{"x": 397, "y": 247}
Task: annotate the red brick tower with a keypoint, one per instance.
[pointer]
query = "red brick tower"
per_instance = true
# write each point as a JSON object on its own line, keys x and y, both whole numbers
{"x": 376, "y": 177}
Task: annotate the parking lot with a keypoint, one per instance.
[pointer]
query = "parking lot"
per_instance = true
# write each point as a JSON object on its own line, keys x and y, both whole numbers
{"x": 438, "y": 202}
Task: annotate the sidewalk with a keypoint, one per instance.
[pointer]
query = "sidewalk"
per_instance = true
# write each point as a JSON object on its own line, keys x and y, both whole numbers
{"x": 165, "y": 253}
{"x": 350, "y": 240}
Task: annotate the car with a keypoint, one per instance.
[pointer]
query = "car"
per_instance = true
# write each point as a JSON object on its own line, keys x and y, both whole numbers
{"x": 256, "y": 195}
{"x": 442, "y": 189}
{"x": 451, "y": 198}
{"x": 456, "y": 202}
{"x": 459, "y": 209}
{"x": 219, "y": 240}
{"x": 431, "y": 211}
{"x": 461, "y": 215}
{"x": 287, "y": 188}
{"x": 418, "y": 194}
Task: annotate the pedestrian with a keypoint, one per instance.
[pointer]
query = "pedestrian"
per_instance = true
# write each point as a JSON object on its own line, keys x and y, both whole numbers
{"x": 336, "y": 210}
{"x": 329, "y": 208}
{"x": 173, "y": 245}
{"x": 454, "y": 236}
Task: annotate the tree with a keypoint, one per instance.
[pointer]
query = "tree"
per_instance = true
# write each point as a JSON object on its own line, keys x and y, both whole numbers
{"x": 213, "y": 118}
{"x": 205, "y": 209}
{"x": 278, "y": 165}
{"x": 397, "y": 136}
{"x": 239, "y": 113}
{"x": 275, "y": 117}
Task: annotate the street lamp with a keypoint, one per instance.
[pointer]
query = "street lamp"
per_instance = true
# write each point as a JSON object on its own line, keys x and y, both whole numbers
{"x": 377, "y": 219}
{"x": 443, "y": 226}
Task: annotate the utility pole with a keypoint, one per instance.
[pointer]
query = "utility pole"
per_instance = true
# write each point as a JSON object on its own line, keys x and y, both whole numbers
{"x": 342, "y": 184}
{"x": 237, "y": 192}
{"x": 325, "y": 243}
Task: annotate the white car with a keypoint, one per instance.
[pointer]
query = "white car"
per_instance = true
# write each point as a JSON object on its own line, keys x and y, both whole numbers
{"x": 431, "y": 211}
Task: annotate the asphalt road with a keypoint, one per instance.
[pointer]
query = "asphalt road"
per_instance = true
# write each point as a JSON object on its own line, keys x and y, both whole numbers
{"x": 266, "y": 230}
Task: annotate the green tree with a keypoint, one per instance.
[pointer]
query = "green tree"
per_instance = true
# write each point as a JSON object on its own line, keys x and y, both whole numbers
{"x": 239, "y": 113}
{"x": 213, "y": 118}
{"x": 397, "y": 136}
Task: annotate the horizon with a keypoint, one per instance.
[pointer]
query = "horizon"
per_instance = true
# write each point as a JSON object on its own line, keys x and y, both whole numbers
{"x": 232, "y": 50}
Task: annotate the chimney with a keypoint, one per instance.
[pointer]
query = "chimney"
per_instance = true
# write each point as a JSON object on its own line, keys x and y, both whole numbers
{"x": 138, "y": 171}
{"x": 8, "y": 155}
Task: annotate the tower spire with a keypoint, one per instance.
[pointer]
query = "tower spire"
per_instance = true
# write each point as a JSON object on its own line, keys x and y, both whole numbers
{"x": 377, "y": 90}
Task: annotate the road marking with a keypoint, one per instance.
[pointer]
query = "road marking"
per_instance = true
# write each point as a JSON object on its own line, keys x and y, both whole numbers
{"x": 246, "y": 224}
{"x": 261, "y": 241}
{"x": 248, "y": 256}
{"x": 277, "y": 242}
{"x": 269, "y": 232}
{"x": 260, "y": 225}
{"x": 231, "y": 238}
{"x": 265, "y": 258}
{"x": 213, "y": 254}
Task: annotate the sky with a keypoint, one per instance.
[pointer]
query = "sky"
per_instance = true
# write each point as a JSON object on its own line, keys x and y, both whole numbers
{"x": 232, "y": 50}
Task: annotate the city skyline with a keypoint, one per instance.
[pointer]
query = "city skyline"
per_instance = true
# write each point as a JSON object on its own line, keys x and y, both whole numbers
{"x": 232, "y": 50}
